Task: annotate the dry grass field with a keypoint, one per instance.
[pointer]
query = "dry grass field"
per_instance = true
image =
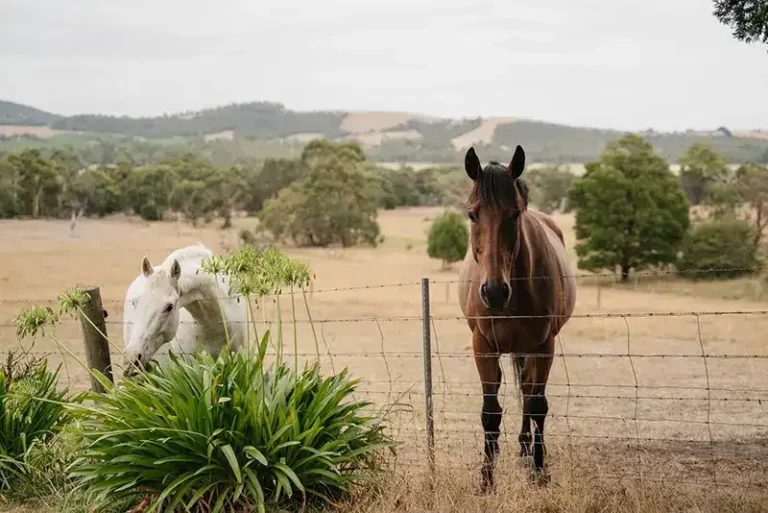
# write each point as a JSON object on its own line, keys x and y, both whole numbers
{"x": 662, "y": 430}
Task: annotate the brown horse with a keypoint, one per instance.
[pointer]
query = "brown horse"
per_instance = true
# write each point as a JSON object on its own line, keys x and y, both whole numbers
{"x": 517, "y": 291}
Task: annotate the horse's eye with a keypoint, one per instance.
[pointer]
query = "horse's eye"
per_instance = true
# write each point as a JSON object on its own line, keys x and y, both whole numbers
{"x": 472, "y": 216}
{"x": 168, "y": 308}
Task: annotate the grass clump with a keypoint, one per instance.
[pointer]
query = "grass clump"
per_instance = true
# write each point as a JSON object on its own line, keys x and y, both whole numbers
{"x": 228, "y": 434}
{"x": 32, "y": 411}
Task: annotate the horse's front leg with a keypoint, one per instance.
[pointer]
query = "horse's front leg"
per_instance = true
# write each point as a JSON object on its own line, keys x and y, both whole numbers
{"x": 490, "y": 376}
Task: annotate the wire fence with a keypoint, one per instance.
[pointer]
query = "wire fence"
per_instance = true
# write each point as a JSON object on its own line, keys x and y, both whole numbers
{"x": 636, "y": 391}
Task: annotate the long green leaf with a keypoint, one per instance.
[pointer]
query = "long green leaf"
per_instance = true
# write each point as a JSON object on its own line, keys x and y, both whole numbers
{"x": 232, "y": 460}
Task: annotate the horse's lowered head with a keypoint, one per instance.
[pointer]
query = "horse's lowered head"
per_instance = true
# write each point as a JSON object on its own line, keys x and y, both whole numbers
{"x": 156, "y": 320}
{"x": 497, "y": 201}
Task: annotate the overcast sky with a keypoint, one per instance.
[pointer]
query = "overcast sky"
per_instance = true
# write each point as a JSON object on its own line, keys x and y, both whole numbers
{"x": 628, "y": 64}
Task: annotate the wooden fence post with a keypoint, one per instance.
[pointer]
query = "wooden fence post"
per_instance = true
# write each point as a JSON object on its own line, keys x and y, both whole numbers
{"x": 96, "y": 344}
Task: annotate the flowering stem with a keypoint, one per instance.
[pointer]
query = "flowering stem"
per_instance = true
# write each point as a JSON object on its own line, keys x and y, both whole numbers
{"x": 264, "y": 321}
{"x": 295, "y": 334}
{"x": 221, "y": 309}
{"x": 311, "y": 324}
{"x": 279, "y": 348}
{"x": 253, "y": 321}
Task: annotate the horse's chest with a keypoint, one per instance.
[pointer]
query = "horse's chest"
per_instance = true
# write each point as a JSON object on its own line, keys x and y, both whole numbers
{"x": 514, "y": 335}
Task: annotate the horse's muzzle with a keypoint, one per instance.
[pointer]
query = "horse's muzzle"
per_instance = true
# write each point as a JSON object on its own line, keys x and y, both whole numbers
{"x": 495, "y": 294}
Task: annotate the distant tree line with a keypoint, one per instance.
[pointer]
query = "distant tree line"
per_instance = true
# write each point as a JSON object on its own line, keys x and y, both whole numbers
{"x": 632, "y": 212}
{"x": 329, "y": 194}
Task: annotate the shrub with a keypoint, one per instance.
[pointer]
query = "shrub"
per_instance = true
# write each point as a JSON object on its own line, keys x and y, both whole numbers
{"x": 149, "y": 212}
{"x": 246, "y": 237}
{"x": 448, "y": 239}
{"x": 32, "y": 410}
{"x": 229, "y": 433}
{"x": 725, "y": 245}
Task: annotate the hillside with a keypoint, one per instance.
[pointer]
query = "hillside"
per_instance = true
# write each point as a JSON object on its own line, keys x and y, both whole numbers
{"x": 261, "y": 129}
{"x": 17, "y": 114}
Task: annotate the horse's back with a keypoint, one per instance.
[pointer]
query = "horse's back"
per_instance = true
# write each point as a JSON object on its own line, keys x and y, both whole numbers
{"x": 561, "y": 269}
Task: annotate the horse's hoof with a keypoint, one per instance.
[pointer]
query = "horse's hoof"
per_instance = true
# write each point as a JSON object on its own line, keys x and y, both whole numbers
{"x": 539, "y": 477}
{"x": 484, "y": 489}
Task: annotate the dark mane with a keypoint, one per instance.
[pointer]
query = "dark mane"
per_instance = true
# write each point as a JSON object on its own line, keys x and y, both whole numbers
{"x": 496, "y": 188}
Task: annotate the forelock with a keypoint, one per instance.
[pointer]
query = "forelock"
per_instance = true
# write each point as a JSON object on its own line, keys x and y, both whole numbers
{"x": 496, "y": 188}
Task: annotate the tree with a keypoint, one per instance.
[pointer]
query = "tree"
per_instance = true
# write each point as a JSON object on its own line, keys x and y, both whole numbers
{"x": 725, "y": 244}
{"x": 700, "y": 167}
{"x": 191, "y": 198}
{"x": 630, "y": 210}
{"x": 148, "y": 190}
{"x": 448, "y": 239}
{"x": 10, "y": 190}
{"x": 37, "y": 182}
{"x": 227, "y": 186}
{"x": 331, "y": 205}
{"x": 274, "y": 175}
{"x": 747, "y": 18}
{"x": 95, "y": 193}
{"x": 322, "y": 152}
{"x": 748, "y": 186}
{"x": 550, "y": 185}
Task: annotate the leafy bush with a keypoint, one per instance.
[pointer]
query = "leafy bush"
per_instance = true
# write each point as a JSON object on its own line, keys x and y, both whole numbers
{"x": 725, "y": 244}
{"x": 149, "y": 212}
{"x": 448, "y": 238}
{"x": 229, "y": 433}
{"x": 32, "y": 410}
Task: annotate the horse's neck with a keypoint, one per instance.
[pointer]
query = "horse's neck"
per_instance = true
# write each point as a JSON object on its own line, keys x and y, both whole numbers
{"x": 206, "y": 299}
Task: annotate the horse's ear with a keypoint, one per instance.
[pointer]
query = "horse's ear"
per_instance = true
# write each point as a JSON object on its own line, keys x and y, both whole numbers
{"x": 175, "y": 270}
{"x": 472, "y": 164}
{"x": 518, "y": 162}
{"x": 146, "y": 267}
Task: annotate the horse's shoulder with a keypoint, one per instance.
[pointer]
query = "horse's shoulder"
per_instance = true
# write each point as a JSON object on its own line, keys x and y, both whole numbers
{"x": 547, "y": 222}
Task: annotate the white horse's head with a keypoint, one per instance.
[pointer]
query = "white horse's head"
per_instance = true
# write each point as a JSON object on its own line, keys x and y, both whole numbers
{"x": 156, "y": 319}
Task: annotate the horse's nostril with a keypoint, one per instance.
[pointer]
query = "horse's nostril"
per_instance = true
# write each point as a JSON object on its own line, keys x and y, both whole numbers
{"x": 484, "y": 289}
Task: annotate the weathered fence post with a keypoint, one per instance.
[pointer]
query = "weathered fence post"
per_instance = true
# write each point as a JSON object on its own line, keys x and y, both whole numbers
{"x": 426, "y": 333}
{"x": 96, "y": 344}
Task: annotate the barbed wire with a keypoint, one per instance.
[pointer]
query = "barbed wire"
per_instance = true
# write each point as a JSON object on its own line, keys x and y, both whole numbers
{"x": 598, "y": 275}
{"x": 417, "y": 355}
{"x": 375, "y": 319}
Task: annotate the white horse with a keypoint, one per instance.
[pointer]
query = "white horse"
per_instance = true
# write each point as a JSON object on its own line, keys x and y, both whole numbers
{"x": 172, "y": 307}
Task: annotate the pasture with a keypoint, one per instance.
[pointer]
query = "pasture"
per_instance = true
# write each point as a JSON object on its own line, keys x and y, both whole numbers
{"x": 664, "y": 424}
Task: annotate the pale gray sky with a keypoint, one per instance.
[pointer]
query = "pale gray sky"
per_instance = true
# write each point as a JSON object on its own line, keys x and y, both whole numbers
{"x": 629, "y": 64}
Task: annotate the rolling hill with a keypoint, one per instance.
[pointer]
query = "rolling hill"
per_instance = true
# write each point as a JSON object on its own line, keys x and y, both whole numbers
{"x": 257, "y": 128}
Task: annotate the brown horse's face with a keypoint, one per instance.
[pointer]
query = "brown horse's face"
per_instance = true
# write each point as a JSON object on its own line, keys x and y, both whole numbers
{"x": 497, "y": 201}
